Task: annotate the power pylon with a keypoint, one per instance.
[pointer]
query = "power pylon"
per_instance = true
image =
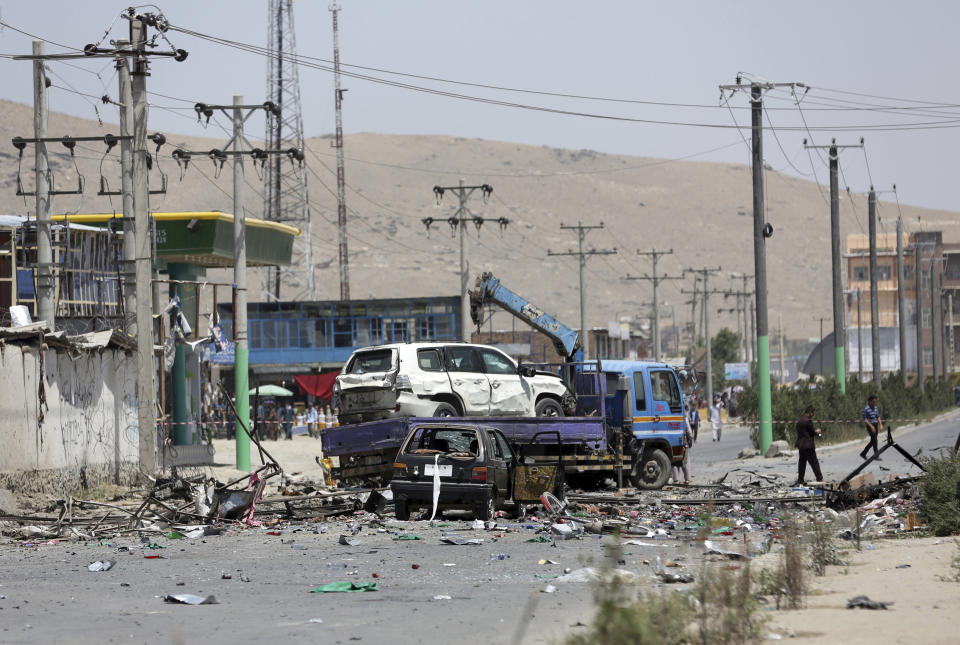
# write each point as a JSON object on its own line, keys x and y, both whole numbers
{"x": 285, "y": 196}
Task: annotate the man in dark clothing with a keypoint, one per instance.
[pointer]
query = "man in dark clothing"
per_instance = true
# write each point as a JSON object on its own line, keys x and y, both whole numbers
{"x": 805, "y": 446}
{"x": 871, "y": 419}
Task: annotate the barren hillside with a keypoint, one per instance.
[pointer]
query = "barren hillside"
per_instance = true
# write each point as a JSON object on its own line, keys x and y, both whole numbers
{"x": 700, "y": 210}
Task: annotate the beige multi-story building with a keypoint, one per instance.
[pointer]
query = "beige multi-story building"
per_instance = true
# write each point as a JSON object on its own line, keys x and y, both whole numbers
{"x": 938, "y": 326}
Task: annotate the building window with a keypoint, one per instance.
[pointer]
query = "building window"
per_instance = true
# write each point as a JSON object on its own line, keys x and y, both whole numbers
{"x": 883, "y": 273}
{"x": 908, "y": 272}
{"x": 928, "y": 357}
{"x": 861, "y": 273}
{"x": 925, "y": 313}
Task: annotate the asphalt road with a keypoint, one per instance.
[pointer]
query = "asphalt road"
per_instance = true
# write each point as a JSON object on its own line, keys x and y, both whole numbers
{"x": 711, "y": 459}
{"x": 48, "y": 595}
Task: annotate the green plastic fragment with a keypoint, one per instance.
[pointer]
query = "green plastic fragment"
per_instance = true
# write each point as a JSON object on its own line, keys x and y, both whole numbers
{"x": 346, "y": 587}
{"x": 539, "y": 538}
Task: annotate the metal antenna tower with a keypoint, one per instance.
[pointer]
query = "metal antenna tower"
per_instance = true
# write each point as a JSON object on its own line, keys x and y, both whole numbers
{"x": 285, "y": 196}
{"x": 341, "y": 181}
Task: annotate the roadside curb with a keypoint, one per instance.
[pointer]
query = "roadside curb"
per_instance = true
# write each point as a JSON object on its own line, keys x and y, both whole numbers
{"x": 903, "y": 430}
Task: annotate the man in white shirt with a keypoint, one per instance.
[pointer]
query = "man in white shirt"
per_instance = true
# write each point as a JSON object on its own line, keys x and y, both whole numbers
{"x": 716, "y": 420}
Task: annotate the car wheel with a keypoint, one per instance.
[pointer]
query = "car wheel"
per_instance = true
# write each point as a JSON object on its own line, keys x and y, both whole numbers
{"x": 651, "y": 470}
{"x": 549, "y": 408}
{"x": 401, "y": 508}
{"x": 445, "y": 410}
{"x": 486, "y": 507}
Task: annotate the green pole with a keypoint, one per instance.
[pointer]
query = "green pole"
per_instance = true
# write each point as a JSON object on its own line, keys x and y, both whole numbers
{"x": 241, "y": 384}
{"x": 763, "y": 379}
{"x": 841, "y": 370}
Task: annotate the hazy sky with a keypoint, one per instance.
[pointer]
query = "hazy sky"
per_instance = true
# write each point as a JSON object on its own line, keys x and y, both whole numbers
{"x": 673, "y": 52}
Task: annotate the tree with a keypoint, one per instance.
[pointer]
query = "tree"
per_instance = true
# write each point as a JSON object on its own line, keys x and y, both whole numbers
{"x": 724, "y": 348}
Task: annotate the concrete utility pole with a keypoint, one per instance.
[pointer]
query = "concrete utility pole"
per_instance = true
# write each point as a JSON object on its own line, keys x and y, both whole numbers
{"x": 581, "y": 230}
{"x": 874, "y": 292}
{"x": 45, "y": 295}
{"x": 943, "y": 332}
{"x": 341, "y": 181}
{"x": 705, "y": 274}
{"x": 839, "y": 339}
{"x": 761, "y": 231}
{"x": 747, "y": 318}
{"x": 901, "y": 305}
{"x": 950, "y": 338}
{"x": 143, "y": 247}
{"x": 459, "y": 221}
{"x": 126, "y": 190}
{"x": 238, "y": 146}
{"x": 783, "y": 374}
{"x": 919, "y": 309}
{"x": 933, "y": 315}
{"x": 656, "y": 279}
{"x": 859, "y": 337}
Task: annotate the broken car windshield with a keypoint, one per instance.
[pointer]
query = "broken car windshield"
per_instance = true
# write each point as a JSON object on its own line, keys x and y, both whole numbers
{"x": 380, "y": 360}
{"x": 443, "y": 440}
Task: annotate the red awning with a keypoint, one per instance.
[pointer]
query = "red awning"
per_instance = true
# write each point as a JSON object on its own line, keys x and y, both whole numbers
{"x": 319, "y": 385}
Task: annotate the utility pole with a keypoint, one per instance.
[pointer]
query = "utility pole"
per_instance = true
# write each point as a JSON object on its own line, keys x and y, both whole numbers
{"x": 839, "y": 340}
{"x": 582, "y": 255}
{"x": 747, "y": 325}
{"x": 783, "y": 374}
{"x": 874, "y": 293}
{"x": 656, "y": 279}
{"x": 459, "y": 221}
{"x": 859, "y": 338}
{"x": 341, "y": 181}
{"x": 950, "y": 333}
{"x": 761, "y": 231}
{"x": 705, "y": 273}
{"x": 237, "y": 147}
{"x": 933, "y": 315}
{"x": 126, "y": 190}
{"x": 45, "y": 296}
{"x": 143, "y": 247}
{"x": 820, "y": 353}
{"x": 241, "y": 349}
{"x": 901, "y": 305}
{"x": 919, "y": 308}
{"x": 943, "y": 332}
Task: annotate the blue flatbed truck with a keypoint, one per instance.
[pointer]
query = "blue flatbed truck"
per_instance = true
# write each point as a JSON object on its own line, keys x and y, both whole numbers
{"x": 629, "y": 426}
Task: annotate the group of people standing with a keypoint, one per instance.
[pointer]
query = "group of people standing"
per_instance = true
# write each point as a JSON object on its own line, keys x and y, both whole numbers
{"x": 275, "y": 419}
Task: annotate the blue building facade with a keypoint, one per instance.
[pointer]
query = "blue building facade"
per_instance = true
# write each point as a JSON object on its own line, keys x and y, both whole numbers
{"x": 324, "y": 334}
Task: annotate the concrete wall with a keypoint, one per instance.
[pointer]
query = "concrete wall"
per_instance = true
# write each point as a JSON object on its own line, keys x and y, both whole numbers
{"x": 88, "y": 435}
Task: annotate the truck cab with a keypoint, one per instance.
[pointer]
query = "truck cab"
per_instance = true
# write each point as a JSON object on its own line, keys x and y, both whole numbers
{"x": 645, "y": 411}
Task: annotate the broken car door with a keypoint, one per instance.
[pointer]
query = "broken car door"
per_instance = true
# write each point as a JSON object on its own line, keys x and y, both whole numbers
{"x": 500, "y": 465}
{"x": 509, "y": 393}
{"x": 467, "y": 379}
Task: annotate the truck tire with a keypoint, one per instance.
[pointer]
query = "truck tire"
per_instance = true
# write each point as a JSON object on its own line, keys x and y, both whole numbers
{"x": 445, "y": 410}
{"x": 486, "y": 506}
{"x": 401, "y": 508}
{"x": 652, "y": 470}
{"x": 549, "y": 408}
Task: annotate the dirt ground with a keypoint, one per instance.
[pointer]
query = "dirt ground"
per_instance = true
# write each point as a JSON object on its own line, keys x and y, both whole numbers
{"x": 925, "y": 607}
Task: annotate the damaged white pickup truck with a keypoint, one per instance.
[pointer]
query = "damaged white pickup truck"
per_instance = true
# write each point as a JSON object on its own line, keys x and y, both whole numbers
{"x": 444, "y": 380}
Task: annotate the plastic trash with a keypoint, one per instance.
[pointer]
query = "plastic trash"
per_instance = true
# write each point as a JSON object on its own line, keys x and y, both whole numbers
{"x": 442, "y": 597}
{"x": 106, "y": 565}
{"x": 903, "y": 566}
{"x": 478, "y": 524}
{"x": 713, "y": 548}
{"x": 545, "y": 561}
{"x": 298, "y": 547}
{"x": 195, "y": 533}
{"x": 346, "y": 587}
{"x": 548, "y": 589}
{"x": 407, "y": 536}
{"x": 539, "y": 538}
{"x": 190, "y": 599}
{"x": 459, "y": 541}
{"x": 315, "y": 620}
{"x": 499, "y": 556}
{"x": 449, "y": 564}
{"x": 344, "y": 540}
{"x": 567, "y": 530}
{"x": 174, "y": 535}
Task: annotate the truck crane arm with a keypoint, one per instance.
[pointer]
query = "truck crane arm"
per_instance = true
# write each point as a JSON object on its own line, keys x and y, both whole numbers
{"x": 489, "y": 290}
